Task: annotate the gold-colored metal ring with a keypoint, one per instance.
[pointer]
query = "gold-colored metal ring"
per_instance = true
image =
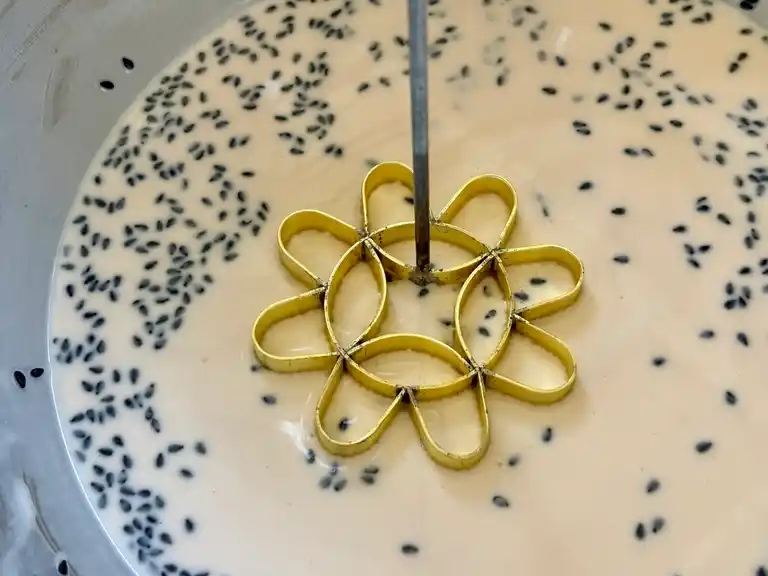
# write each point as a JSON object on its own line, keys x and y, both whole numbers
{"x": 369, "y": 246}
{"x": 366, "y": 440}
{"x": 447, "y": 458}
{"x": 279, "y": 312}
{"x": 481, "y": 186}
{"x": 556, "y": 255}
{"x": 303, "y": 221}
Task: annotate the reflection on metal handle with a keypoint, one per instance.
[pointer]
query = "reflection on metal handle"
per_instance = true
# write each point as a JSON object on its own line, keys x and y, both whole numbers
{"x": 417, "y": 27}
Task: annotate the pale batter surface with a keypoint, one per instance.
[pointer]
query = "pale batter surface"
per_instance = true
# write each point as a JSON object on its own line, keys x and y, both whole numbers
{"x": 634, "y": 134}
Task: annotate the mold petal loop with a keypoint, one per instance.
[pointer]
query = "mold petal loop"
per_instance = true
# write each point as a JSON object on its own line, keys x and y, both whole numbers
{"x": 363, "y": 442}
{"x": 548, "y": 253}
{"x": 487, "y": 184}
{"x": 303, "y": 221}
{"x": 436, "y": 451}
{"x": 280, "y": 312}
{"x": 529, "y": 393}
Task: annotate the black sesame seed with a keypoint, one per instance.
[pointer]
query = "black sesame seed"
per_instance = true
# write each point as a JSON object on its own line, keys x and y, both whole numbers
{"x": 704, "y": 446}
{"x": 128, "y": 64}
{"x": 483, "y": 331}
{"x": 20, "y": 379}
{"x": 640, "y": 531}
{"x": 343, "y": 424}
{"x": 659, "y": 361}
{"x": 340, "y": 484}
{"x": 269, "y": 399}
{"x": 325, "y": 482}
{"x": 730, "y": 397}
{"x": 513, "y": 460}
{"x": 189, "y": 525}
{"x": 621, "y": 259}
{"x": 409, "y": 549}
{"x": 310, "y": 456}
{"x": 657, "y": 524}
{"x": 652, "y": 486}
{"x": 423, "y": 291}
{"x": 62, "y": 568}
{"x": 107, "y": 85}
{"x": 500, "y": 501}
{"x": 186, "y": 473}
{"x": 547, "y": 434}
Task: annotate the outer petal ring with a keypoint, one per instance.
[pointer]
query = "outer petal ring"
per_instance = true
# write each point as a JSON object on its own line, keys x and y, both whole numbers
{"x": 454, "y": 460}
{"x": 278, "y": 312}
{"x": 352, "y": 447}
{"x": 547, "y": 253}
{"x": 478, "y": 186}
{"x": 302, "y": 221}
{"x": 527, "y": 393}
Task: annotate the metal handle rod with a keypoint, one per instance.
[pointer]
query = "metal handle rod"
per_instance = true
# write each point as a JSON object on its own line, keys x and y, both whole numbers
{"x": 417, "y": 31}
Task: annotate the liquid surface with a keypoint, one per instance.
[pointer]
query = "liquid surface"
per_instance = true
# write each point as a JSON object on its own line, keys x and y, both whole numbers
{"x": 634, "y": 134}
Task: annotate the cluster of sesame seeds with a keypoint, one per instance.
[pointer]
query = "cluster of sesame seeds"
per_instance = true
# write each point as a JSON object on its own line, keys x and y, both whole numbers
{"x": 737, "y": 215}
{"x": 20, "y": 377}
{"x": 656, "y": 523}
{"x": 334, "y": 476}
{"x": 677, "y": 11}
